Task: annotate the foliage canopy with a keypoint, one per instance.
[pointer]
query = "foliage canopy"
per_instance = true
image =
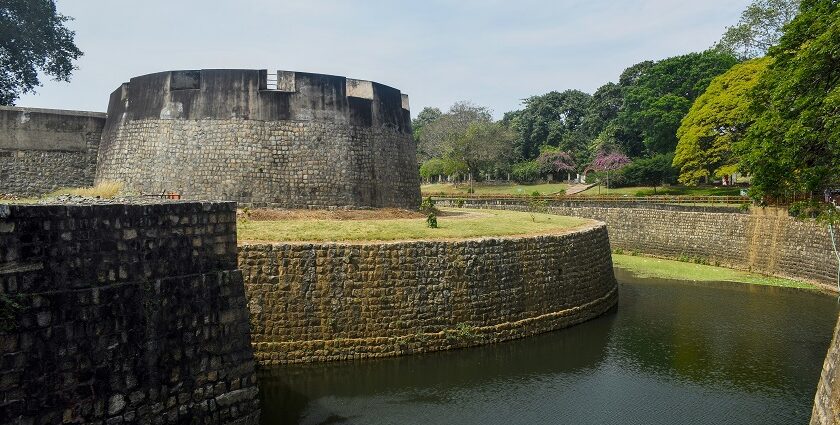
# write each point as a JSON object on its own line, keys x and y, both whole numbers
{"x": 33, "y": 38}
{"x": 794, "y": 144}
{"x": 716, "y": 120}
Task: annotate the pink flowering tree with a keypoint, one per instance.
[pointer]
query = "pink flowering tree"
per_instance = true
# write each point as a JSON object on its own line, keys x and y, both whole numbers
{"x": 556, "y": 161}
{"x": 609, "y": 161}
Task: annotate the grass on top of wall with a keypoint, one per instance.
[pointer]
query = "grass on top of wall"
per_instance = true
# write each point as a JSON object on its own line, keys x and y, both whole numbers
{"x": 101, "y": 190}
{"x": 454, "y": 223}
{"x": 493, "y": 189}
{"x": 647, "y": 267}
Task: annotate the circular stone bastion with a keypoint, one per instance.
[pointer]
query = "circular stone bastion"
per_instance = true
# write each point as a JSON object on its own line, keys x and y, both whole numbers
{"x": 327, "y": 301}
{"x": 284, "y": 139}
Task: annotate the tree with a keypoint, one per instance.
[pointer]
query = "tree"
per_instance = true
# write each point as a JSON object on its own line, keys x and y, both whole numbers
{"x": 432, "y": 168}
{"x": 526, "y": 171}
{"x": 760, "y": 27}
{"x": 604, "y": 107}
{"x": 553, "y": 119}
{"x": 438, "y": 135}
{"x": 424, "y": 118}
{"x": 794, "y": 144}
{"x": 482, "y": 147}
{"x": 657, "y": 96}
{"x": 33, "y": 38}
{"x": 609, "y": 161}
{"x": 717, "y": 120}
{"x": 553, "y": 161}
{"x": 654, "y": 171}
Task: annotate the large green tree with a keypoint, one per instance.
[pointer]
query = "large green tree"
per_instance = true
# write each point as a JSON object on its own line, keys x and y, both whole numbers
{"x": 760, "y": 27}
{"x": 794, "y": 143}
{"x": 424, "y": 118}
{"x": 657, "y": 96}
{"x": 483, "y": 147}
{"x": 439, "y": 131}
{"x": 717, "y": 119}
{"x": 553, "y": 119}
{"x": 33, "y": 39}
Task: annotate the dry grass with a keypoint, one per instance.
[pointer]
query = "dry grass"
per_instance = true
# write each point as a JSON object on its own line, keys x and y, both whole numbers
{"x": 101, "y": 190}
{"x": 264, "y": 214}
{"x": 452, "y": 224}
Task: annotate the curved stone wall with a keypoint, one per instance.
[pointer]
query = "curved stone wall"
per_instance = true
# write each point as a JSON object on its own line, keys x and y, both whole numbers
{"x": 304, "y": 140}
{"x": 328, "y": 301}
{"x": 762, "y": 240}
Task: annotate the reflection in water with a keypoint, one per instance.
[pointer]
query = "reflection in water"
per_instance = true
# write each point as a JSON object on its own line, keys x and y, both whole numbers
{"x": 673, "y": 352}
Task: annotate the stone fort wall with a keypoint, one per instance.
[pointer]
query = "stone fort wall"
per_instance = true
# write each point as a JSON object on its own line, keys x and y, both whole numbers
{"x": 326, "y": 301}
{"x": 306, "y": 140}
{"x": 827, "y": 401}
{"x": 42, "y": 150}
{"x": 766, "y": 241}
{"x": 123, "y": 314}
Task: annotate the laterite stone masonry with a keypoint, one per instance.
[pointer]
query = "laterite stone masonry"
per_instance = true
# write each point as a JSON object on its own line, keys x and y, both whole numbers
{"x": 115, "y": 313}
{"x": 326, "y": 301}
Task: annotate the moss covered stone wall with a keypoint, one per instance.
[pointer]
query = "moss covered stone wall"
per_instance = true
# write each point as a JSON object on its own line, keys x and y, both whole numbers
{"x": 325, "y": 301}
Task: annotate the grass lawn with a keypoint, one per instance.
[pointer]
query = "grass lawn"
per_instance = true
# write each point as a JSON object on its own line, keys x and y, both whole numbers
{"x": 678, "y": 270}
{"x": 462, "y": 223}
{"x": 666, "y": 190}
{"x": 493, "y": 189}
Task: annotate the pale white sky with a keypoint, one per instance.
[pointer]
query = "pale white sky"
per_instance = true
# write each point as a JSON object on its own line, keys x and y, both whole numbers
{"x": 491, "y": 52}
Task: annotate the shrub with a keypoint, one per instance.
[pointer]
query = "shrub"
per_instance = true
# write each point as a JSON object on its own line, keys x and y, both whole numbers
{"x": 427, "y": 206}
{"x": 431, "y": 220}
{"x": 525, "y": 172}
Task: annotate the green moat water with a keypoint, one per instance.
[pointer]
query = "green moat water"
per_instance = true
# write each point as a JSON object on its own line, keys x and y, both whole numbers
{"x": 672, "y": 353}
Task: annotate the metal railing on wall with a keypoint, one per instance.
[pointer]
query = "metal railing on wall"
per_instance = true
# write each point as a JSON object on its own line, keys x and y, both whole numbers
{"x": 162, "y": 195}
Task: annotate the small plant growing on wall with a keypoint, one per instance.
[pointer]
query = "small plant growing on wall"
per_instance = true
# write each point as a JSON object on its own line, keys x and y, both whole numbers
{"x": 9, "y": 308}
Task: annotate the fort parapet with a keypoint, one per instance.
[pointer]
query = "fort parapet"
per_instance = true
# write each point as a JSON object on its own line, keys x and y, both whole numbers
{"x": 42, "y": 150}
{"x": 288, "y": 139}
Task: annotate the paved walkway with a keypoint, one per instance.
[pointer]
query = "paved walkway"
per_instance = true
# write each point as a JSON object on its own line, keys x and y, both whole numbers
{"x": 577, "y": 188}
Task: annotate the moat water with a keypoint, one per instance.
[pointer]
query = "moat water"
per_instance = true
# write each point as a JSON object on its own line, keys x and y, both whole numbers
{"x": 671, "y": 353}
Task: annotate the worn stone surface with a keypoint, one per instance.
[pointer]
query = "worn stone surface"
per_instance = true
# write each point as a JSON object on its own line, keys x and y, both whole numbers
{"x": 827, "y": 401}
{"x": 321, "y": 302}
{"x": 766, "y": 241}
{"x": 223, "y": 134}
{"x": 123, "y": 314}
{"x": 42, "y": 150}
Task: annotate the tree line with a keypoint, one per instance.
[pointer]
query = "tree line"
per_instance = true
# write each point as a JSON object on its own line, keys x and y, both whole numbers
{"x": 764, "y": 101}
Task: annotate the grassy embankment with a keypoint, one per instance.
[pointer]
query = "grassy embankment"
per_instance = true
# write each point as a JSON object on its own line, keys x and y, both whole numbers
{"x": 493, "y": 189}
{"x": 678, "y": 270}
{"x": 453, "y": 223}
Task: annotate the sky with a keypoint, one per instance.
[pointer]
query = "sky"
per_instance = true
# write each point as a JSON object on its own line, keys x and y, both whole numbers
{"x": 491, "y": 52}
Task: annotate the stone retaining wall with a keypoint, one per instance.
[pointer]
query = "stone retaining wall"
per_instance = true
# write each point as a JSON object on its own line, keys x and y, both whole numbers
{"x": 42, "y": 150}
{"x": 325, "y": 301}
{"x": 827, "y": 401}
{"x": 123, "y": 314}
{"x": 766, "y": 241}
